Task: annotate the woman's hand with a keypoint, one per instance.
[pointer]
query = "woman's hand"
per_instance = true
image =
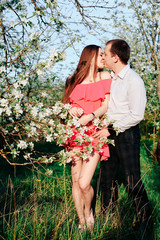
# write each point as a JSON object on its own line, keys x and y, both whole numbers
{"x": 86, "y": 119}
{"x": 76, "y": 112}
{"x": 102, "y": 133}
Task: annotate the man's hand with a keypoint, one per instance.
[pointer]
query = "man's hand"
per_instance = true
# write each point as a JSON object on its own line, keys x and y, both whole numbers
{"x": 76, "y": 112}
{"x": 102, "y": 133}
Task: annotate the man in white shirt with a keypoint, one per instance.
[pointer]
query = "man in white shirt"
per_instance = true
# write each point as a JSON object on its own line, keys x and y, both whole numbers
{"x": 126, "y": 109}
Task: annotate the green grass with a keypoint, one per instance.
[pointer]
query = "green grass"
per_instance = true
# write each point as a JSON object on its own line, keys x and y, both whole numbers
{"x": 33, "y": 206}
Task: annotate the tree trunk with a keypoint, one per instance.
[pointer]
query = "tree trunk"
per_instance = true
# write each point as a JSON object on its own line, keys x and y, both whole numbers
{"x": 158, "y": 86}
{"x": 158, "y": 151}
{"x": 158, "y": 144}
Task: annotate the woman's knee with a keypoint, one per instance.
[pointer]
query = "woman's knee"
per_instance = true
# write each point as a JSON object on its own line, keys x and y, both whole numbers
{"x": 85, "y": 187}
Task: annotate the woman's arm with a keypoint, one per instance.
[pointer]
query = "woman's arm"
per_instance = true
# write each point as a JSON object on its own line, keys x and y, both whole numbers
{"x": 97, "y": 113}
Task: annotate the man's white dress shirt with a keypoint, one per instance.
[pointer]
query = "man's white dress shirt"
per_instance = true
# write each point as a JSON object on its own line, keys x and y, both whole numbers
{"x": 127, "y": 99}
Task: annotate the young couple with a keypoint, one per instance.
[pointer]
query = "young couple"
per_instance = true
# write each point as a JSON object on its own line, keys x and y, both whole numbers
{"x": 123, "y": 99}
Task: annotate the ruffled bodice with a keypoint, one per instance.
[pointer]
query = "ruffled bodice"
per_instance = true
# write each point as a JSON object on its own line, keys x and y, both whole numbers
{"x": 84, "y": 95}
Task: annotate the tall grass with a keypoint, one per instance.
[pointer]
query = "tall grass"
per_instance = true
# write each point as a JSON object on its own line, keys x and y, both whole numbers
{"x": 34, "y": 206}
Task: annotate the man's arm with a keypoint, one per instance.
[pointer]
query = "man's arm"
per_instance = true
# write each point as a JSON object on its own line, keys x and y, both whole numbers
{"x": 101, "y": 133}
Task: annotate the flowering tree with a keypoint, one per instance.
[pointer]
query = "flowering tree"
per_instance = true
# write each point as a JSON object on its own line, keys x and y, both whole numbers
{"x": 28, "y": 54}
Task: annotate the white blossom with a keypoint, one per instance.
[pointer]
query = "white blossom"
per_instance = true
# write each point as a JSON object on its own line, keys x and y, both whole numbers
{"x": 18, "y": 109}
{"x": 2, "y": 69}
{"x": 3, "y": 2}
{"x": 55, "y": 135}
{"x": 76, "y": 123}
{"x": 31, "y": 145}
{"x": 33, "y": 130}
{"x": 56, "y": 110}
{"x": 23, "y": 6}
{"x": 48, "y": 112}
{"x": 83, "y": 129}
{"x": 105, "y": 122}
{"x": 68, "y": 106}
{"x": 27, "y": 156}
{"x": 34, "y": 111}
{"x": 24, "y": 20}
{"x": 49, "y": 138}
{"x": 53, "y": 53}
{"x": 51, "y": 159}
{"x": 40, "y": 72}
{"x": 16, "y": 85}
{"x": 38, "y": 13}
{"x": 33, "y": 35}
{"x": 22, "y": 144}
{"x": 44, "y": 94}
{"x": 1, "y": 110}
{"x": 11, "y": 119}
{"x": 5, "y": 131}
{"x": 69, "y": 132}
{"x": 11, "y": 24}
{"x": 16, "y": 128}
{"x": 3, "y": 102}
{"x": 69, "y": 159}
{"x": 17, "y": 93}
{"x": 63, "y": 115}
{"x": 51, "y": 122}
{"x": 40, "y": 105}
{"x": 41, "y": 115}
{"x": 23, "y": 82}
{"x": 8, "y": 111}
{"x": 49, "y": 172}
{"x": 80, "y": 138}
{"x": 85, "y": 156}
{"x": 49, "y": 64}
{"x": 96, "y": 122}
{"x": 15, "y": 152}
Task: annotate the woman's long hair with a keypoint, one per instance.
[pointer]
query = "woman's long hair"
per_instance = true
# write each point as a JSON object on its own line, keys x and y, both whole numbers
{"x": 82, "y": 70}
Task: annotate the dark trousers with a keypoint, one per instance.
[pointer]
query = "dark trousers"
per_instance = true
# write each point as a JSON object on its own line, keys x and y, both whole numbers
{"x": 126, "y": 152}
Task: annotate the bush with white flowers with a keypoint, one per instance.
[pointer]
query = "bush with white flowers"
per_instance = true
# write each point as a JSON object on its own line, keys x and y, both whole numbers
{"x": 27, "y": 84}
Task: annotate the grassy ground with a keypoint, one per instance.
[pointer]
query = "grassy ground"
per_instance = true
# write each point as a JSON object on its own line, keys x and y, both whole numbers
{"x": 33, "y": 206}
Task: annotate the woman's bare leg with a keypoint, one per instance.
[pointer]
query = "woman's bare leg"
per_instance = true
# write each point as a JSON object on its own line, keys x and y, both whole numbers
{"x": 76, "y": 167}
{"x": 87, "y": 172}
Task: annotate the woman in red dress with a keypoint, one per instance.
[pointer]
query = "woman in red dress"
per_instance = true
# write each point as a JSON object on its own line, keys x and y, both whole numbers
{"x": 87, "y": 90}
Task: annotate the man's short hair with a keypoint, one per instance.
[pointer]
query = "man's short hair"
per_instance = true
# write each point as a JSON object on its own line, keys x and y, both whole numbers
{"x": 120, "y": 48}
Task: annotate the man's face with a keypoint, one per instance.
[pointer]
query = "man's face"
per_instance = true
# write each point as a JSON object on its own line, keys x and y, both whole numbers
{"x": 108, "y": 57}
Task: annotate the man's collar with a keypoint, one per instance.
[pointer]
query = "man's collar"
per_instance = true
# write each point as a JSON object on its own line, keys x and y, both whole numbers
{"x": 113, "y": 76}
{"x": 121, "y": 74}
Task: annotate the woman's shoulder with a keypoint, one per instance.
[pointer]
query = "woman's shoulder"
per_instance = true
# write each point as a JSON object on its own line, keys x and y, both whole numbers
{"x": 105, "y": 75}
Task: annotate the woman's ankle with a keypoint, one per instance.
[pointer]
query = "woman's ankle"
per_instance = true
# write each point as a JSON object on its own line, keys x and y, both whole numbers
{"x": 82, "y": 221}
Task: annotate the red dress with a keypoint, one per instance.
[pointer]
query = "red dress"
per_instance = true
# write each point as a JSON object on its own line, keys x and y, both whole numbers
{"x": 89, "y": 97}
